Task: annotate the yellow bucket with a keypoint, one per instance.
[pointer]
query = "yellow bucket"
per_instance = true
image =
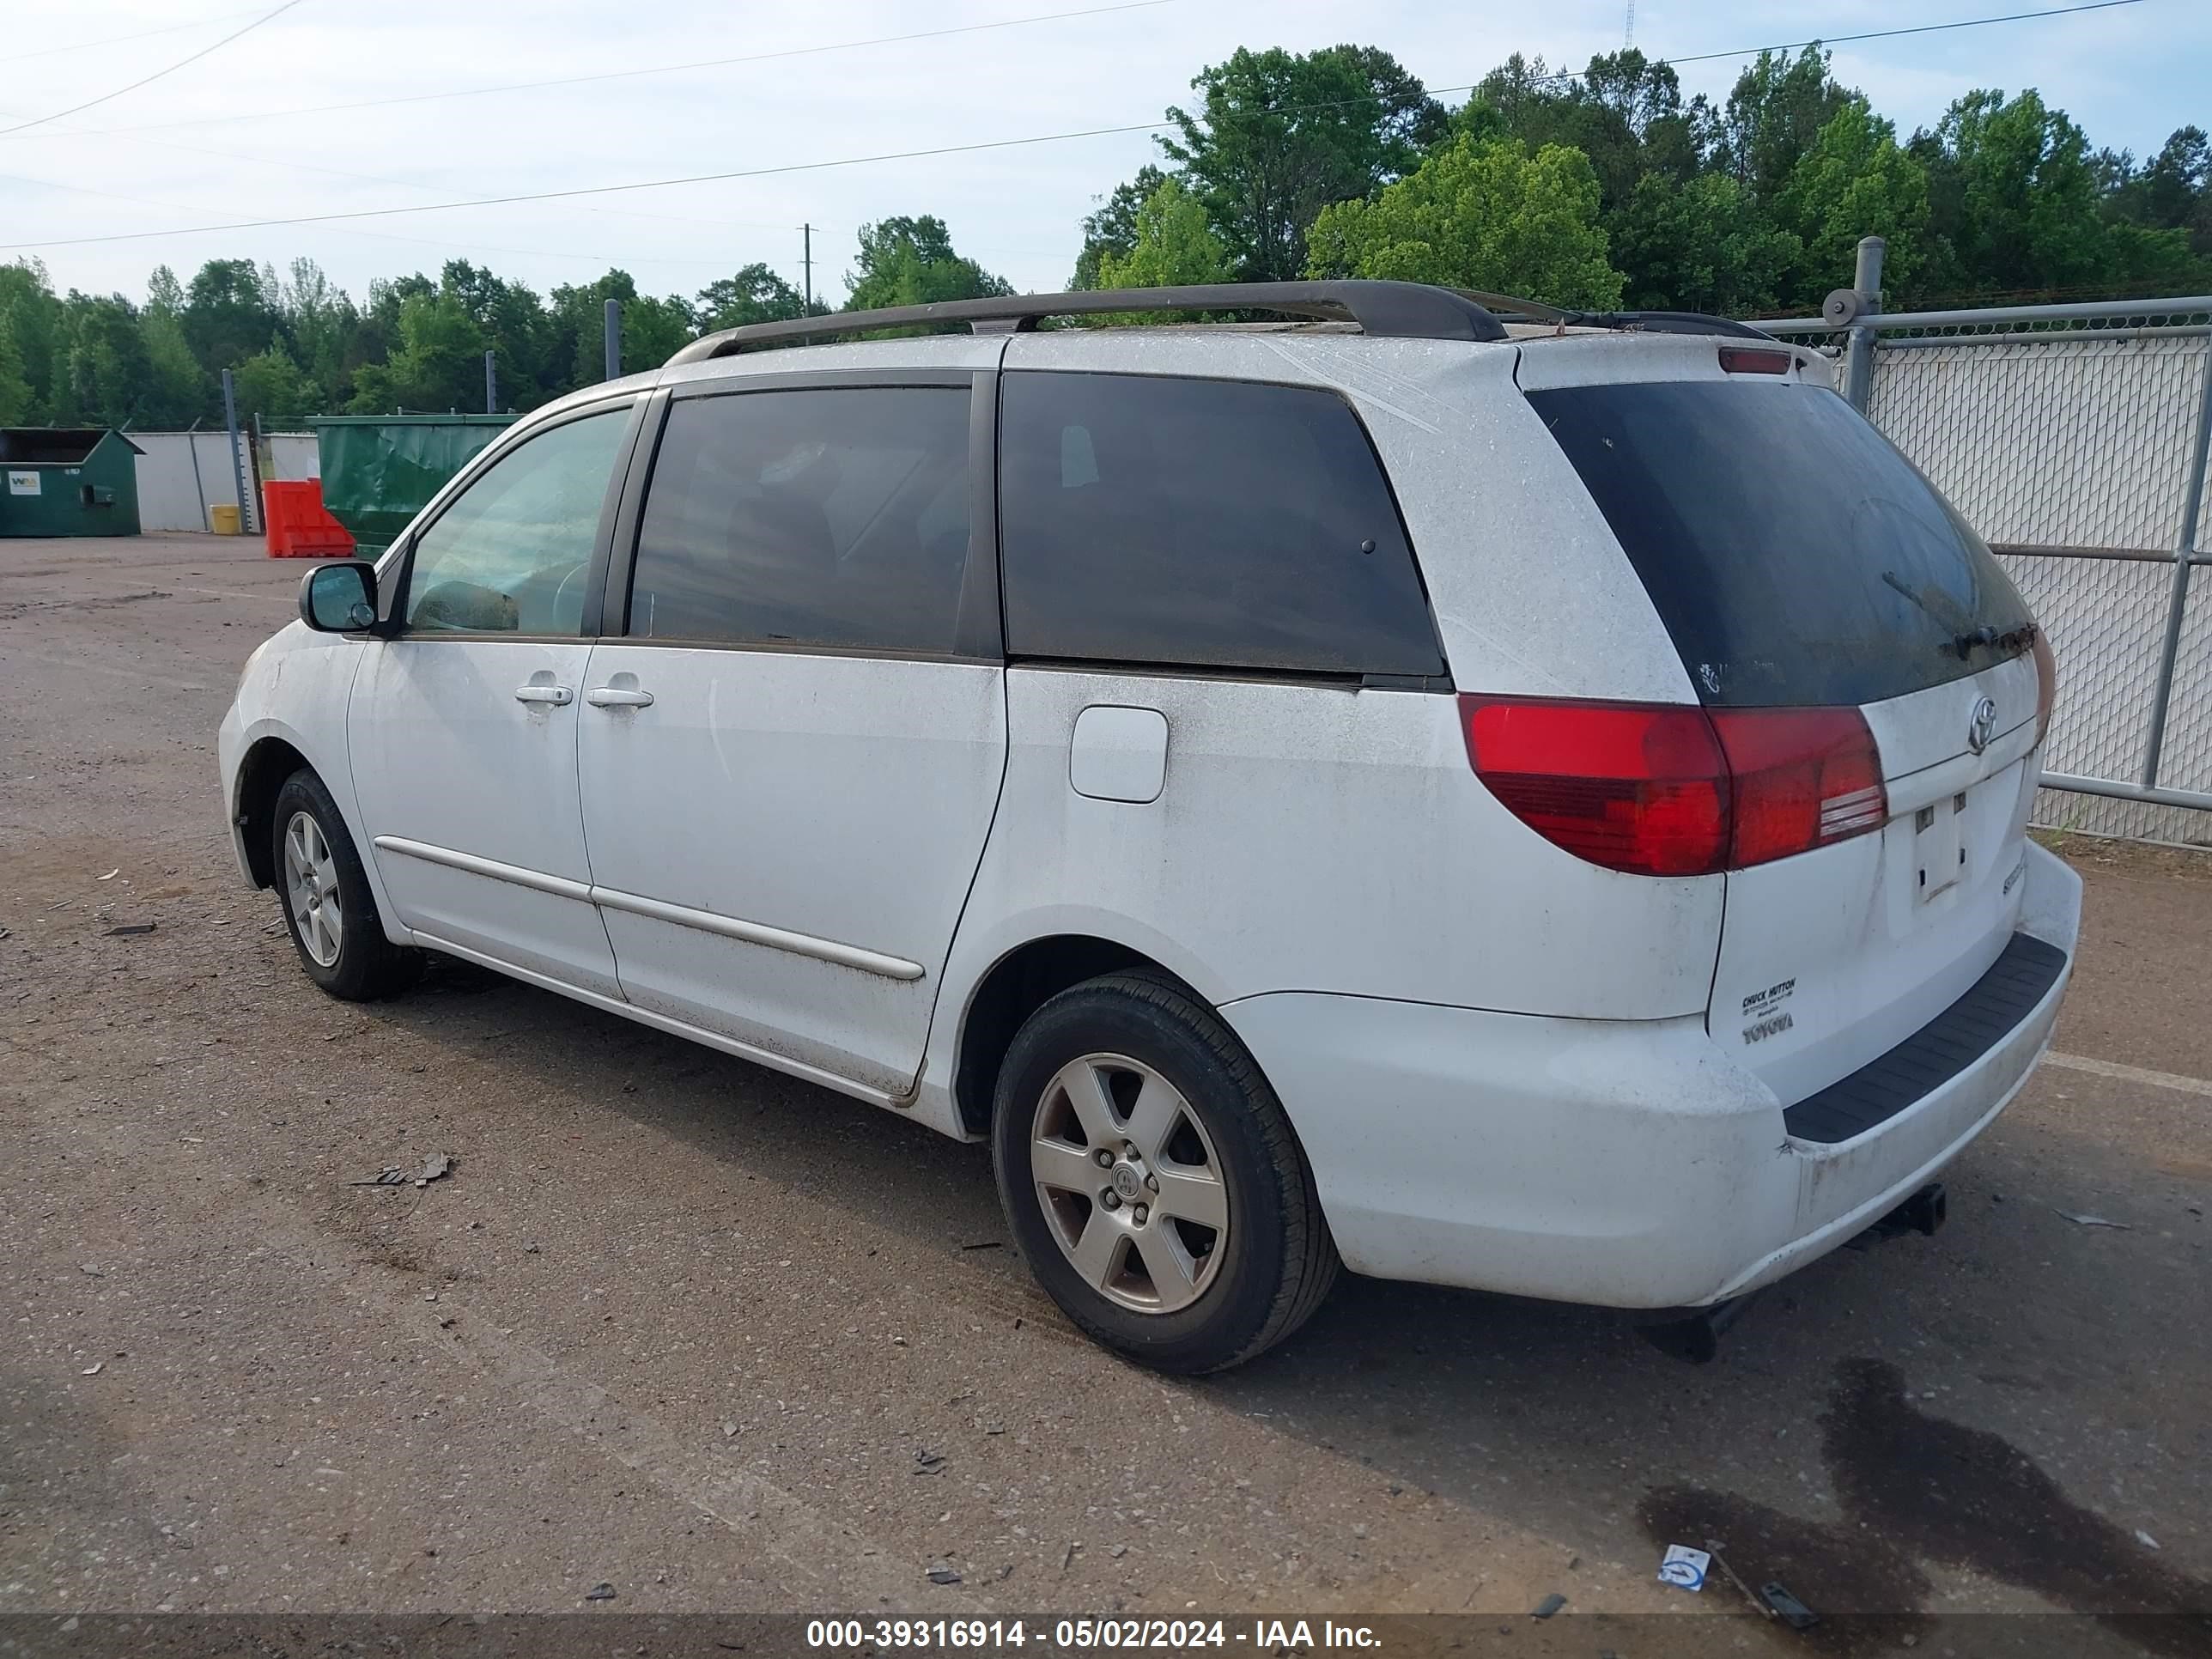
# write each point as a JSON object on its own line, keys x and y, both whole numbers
{"x": 222, "y": 518}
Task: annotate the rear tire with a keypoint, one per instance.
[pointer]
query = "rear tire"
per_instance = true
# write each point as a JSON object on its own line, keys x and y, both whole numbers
{"x": 328, "y": 907}
{"x": 1199, "y": 1243}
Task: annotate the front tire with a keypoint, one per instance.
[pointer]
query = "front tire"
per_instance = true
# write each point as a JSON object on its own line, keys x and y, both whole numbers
{"x": 328, "y": 908}
{"x": 1151, "y": 1180}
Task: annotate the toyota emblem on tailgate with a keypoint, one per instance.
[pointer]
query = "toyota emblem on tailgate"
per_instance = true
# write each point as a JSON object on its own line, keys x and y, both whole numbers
{"x": 1983, "y": 726}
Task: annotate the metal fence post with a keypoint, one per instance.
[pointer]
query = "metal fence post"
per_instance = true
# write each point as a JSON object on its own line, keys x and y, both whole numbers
{"x": 614, "y": 340}
{"x": 1858, "y": 350}
{"x": 491, "y": 384}
{"x": 2184, "y": 551}
{"x": 237, "y": 459}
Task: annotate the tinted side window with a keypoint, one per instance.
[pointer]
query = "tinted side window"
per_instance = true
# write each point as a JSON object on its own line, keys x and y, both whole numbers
{"x": 1212, "y": 523}
{"x": 832, "y": 517}
{"x": 513, "y": 554}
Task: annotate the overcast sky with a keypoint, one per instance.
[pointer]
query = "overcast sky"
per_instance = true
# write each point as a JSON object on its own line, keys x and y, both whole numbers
{"x": 213, "y": 144}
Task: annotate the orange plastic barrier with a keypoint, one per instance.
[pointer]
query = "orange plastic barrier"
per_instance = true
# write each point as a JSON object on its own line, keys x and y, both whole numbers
{"x": 298, "y": 525}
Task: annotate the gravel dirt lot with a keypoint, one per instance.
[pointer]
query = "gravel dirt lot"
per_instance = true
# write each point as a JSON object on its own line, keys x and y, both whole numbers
{"x": 724, "y": 1341}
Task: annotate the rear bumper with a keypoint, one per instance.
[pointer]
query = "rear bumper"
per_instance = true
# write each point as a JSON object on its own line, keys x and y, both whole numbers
{"x": 1625, "y": 1163}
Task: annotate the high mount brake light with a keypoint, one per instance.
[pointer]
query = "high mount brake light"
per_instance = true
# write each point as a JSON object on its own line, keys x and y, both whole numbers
{"x": 1672, "y": 789}
{"x": 1754, "y": 359}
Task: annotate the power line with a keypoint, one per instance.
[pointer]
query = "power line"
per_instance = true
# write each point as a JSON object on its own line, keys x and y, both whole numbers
{"x": 936, "y": 151}
{"x": 123, "y": 39}
{"x": 1885, "y": 34}
{"x": 633, "y": 73}
{"x": 148, "y": 80}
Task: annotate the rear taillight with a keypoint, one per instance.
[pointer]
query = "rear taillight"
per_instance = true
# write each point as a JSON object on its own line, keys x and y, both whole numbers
{"x": 1671, "y": 789}
{"x": 2046, "y": 684}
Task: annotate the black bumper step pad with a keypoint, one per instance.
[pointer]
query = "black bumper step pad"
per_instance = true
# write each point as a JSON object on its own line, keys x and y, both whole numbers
{"x": 1991, "y": 1008}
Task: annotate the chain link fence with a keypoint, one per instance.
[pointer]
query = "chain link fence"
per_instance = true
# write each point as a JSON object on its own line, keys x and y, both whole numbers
{"x": 2074, "y": 438}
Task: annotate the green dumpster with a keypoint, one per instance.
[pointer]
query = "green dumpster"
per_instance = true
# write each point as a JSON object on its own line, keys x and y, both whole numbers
{"x": 379, "y": 470}
{"x": 68, "y": 480}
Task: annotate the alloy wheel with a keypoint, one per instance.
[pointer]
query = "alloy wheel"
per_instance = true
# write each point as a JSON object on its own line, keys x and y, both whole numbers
{"x": 1130, "y": 1184}
{"x": 310, "y": 890}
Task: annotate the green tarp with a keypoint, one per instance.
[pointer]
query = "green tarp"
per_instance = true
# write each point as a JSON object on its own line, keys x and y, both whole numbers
{"x": 379, "y": 470}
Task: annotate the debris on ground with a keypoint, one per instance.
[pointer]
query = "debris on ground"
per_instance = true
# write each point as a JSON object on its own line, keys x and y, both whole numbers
{"x": 984, "y": 1244}
{"x": 111, "y": 875}
{"x": 1069, "y": 1558}
{"x": 1684, "y": 1567}
{"x": 2093, "y": 1221}
{"x": 943, "y": 1573}
{"x": 87, "y": 1268}
{"x": 929, "y": 1462}
{"x": 132, "y": 928}
{"x": 1550, "y": 1605}
{"x": 1781, "y": 1604}
{"x": 436, "y": 1167}
{"x": 94, "y": 1369}
{"x": 600, "y": 1592}
{"x": 2145, "y": 1539}
{"x": 1713, "y": 1546}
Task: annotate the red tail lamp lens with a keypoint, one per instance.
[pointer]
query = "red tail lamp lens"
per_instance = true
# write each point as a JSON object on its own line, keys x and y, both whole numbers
{"x": 1671, "y": 789}
{"x": 2046, "y": 683}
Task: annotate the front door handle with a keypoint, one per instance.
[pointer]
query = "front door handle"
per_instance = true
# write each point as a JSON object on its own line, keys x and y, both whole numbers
{"x": 614, "y": 697}
{"x": 559, "y": 696}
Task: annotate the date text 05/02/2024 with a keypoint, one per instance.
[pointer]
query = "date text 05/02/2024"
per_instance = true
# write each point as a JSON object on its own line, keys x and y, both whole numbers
{"x": 1070, "y": 1635}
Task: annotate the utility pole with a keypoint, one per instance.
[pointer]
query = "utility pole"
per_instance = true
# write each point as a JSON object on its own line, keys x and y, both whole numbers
{"x": 614, "y": 340}
{"x": 806, "y": 258}
{"x": 491, "y": 385}
{"x": 237, "y": 456}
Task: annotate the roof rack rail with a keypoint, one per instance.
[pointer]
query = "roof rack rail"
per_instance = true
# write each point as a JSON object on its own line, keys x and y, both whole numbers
{"x": 1400, "y": 310}
{"x": 1666, "y": 322}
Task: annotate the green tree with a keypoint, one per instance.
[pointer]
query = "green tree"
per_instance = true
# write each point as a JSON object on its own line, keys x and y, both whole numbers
{"x": 270, "y": 385}
{"x": 178, "y": 390}
{"x": 324, "y": 325}
{"x": 1854, "y": 181}
{"x": 513, "y": 322}
{"x": 33, "y": 317}
{"x": 1479, "y": 215}
{"x": 652, "y": 329}
{"x": 1773, "y": 116}
{"x": 228, "y": 313}
{"x": 2015, "y": 206}
{"x": 15, "y": 400}
{"x": 756, "y": 294}
{"x": 1172, "y": 246}
{"x": 106, "y": 369}
{"x": 1110, "y": 229}
{"x": 911, "y": 261}
{"x": 439, "y": 365}
{"x": 1276, "y": 137}
{"x": 1700, "y": 245}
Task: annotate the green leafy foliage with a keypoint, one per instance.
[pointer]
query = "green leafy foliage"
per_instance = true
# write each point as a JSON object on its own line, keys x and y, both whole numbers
{"x": 1479, "y": 215}
{"x": 1170, "y": 244}
{"x": 1595, "y": 188}
{"x": 911, "y": 262}
{"x": 1276, "y": 137}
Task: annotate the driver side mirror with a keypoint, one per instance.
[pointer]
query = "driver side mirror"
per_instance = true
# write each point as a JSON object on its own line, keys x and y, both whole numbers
{"x": 339, "y": 598}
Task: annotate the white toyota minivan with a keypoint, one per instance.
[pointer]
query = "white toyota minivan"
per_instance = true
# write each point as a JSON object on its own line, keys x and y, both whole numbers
{"x": 1451, "y": 789}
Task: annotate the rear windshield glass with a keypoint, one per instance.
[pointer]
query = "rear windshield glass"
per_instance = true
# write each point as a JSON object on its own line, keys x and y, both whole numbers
{"x": 1795, "y": 556}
